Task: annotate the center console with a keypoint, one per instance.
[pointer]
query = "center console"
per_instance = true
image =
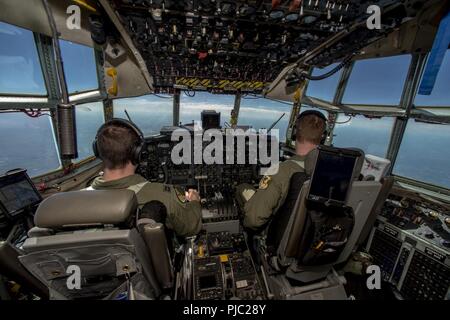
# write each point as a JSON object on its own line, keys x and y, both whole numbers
{"x": 222, "y": 269}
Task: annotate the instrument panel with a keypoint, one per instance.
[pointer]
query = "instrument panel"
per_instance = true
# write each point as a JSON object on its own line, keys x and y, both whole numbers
{"x": 411, "y": 244}
{"x": 216, "y": 183}
{"x": 425, "y": 219}
{"x": 157, "y": 166}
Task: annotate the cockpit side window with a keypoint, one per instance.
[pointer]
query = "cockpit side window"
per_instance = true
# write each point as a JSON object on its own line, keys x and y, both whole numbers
{"x": 27, "y": 142}
{"x": 324, "y": 89}
{"x": 370, "y": 135}
{"x": 89, "y": 117}
{"x": 424, "y": 153}
{"x": 440, "y": 96}
{"x": 21, "y": 72}
{"x": 150, "y": 112}
{"x": 79, "y": 67}
{"x": 377, "y": 81}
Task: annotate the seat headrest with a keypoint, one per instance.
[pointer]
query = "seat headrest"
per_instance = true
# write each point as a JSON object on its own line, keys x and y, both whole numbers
{"x": 87, "y": 207}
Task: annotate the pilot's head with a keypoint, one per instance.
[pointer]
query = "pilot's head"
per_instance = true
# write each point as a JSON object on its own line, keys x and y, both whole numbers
{"x": 310, "y": 129}
{"x": 119, "y": 144}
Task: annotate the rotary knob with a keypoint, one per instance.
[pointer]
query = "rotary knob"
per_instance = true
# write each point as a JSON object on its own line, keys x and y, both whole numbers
{"x": 404, "y": 203}
{"x": 433, "y": 215}
{"x": 447, "y": 221}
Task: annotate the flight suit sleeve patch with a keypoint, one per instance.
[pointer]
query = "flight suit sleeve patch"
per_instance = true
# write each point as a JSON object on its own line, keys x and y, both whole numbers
{"x": 247, "y": 194}
{"x": 180, "y": 195}
{"x": 264, "y": 183}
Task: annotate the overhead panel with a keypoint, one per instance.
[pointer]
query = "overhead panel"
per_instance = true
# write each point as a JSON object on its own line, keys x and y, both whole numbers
{"x": 220, "y": 45}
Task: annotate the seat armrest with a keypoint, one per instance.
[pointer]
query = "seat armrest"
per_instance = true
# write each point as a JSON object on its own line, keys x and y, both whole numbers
{"x": 156, "y": 242}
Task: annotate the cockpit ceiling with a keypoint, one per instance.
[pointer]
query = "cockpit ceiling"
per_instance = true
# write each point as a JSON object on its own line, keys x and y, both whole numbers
{"x": 244, "y": 45}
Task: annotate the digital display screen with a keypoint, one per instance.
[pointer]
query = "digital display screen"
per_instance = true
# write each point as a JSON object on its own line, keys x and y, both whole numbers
{"x": 210, "y": 120}
{"x": 17, "y": 192}
{"x": 207, "y": 282}
{"x": 332, "y": 176}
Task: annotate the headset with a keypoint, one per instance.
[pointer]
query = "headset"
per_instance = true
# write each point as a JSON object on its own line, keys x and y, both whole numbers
{"x": 310, "y": 113}
{"x": 136, "y": 151}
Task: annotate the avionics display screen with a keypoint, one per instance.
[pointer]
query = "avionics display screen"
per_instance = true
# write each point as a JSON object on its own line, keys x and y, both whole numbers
{"x": 207, "y": 282}
{"x": 210, "y": 120}
{"x": 17, "y": 192}
{"x": 332, "y": 177}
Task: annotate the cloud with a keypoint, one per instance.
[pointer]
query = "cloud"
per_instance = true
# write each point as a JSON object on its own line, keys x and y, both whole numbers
{"x": 360, "y": 122}
{"x": 144, "y": 105}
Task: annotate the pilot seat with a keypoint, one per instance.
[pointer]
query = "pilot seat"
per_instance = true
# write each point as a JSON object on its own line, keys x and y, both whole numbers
{"x": 92, "y": 245}
{"x": 313, "y": 236}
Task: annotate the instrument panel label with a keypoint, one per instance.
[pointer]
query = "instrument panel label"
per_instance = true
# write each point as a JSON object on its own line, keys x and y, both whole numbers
{"x": 220, "y": 84}
{"x": 390, "y": 231}
{"x": 435, "y": 255}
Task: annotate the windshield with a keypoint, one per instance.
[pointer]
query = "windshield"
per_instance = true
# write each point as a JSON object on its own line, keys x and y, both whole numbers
{"x": 324, "y": 89}
{"x": 21, "y": 71}
{"x": 377, "y": 81}
{"x": 440, "y": 96}
{"x": 425, "y": 152}
{"x": 262, "y": 113}
{"x": 27, "y": 142}
{"x": 150, "y": 112}
{"x": 79, "y": 66}
{"x": 89, "y": 118}
{"x": 255, "y": 111}
{"x": 370, "y": 135}
{"x": 192, "y": 105}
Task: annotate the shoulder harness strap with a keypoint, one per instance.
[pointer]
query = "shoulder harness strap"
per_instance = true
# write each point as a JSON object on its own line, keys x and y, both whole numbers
{"x": 137, "y": 187}
{"x": 300, "y": 163}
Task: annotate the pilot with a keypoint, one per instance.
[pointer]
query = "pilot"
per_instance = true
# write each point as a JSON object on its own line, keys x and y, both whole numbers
{"x": 119, "y": 143}
{"x": 261, "y": 204}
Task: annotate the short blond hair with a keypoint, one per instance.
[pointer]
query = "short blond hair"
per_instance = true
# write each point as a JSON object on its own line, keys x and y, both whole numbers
{"x": 310, "y": 128}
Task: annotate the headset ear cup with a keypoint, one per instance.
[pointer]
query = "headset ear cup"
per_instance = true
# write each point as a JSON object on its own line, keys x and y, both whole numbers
{"x": 137, "y": 155}
{"x": 94, "y": 148}
{"x": 294, "y": 133}
{"x": 324, "y": 137}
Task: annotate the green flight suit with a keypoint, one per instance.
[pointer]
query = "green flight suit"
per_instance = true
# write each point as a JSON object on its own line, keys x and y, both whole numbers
{"x": 183, "y": 217}
{"x": 259, "y": 205}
